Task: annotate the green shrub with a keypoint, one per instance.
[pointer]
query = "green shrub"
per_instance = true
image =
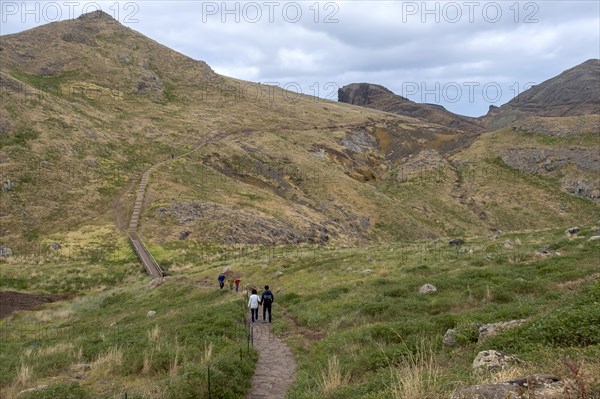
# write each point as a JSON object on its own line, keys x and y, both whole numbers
{"x": 574, "y": 325}
{"x": 466, "y": 333}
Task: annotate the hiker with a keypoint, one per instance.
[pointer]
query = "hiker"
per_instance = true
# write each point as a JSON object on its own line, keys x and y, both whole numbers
{"x": 237, "y": 284}
{"x": 221, "y": 279}
{"x": 253, "y": 303}
{"x": 267, "y": 300}
{"x": 230, "y": 284}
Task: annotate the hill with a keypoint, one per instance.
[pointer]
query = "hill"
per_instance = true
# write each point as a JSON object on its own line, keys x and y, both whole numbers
{"x": 574, "y": 92}
{"x": 346, "y": 211}
{"x": 81, "y": 122}
{"x": 378, "y": 97}
{"x": 550, "y": 130}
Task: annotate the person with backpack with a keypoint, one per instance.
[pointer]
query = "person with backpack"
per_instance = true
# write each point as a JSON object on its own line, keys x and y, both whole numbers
{"x": 267, "y": 300}
{"x": 253, "y": 303}
{"x": 221, "y": 280}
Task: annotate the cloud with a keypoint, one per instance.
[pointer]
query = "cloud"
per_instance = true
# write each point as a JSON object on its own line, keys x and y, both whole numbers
{"x": 392, "y": 43}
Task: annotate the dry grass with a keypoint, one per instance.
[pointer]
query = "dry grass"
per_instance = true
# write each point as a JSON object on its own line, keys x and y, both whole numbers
{"x": 417, "y": 376}
{"x": 108, "y": 362}
{"x": 24, "y": 375}
{"x": 208, "y": 352}
{"x": 332, "y": 377}
{"x": 154, "y": 335}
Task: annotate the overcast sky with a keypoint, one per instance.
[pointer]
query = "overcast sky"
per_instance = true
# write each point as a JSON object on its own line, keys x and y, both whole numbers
{"x": 464, "y": 55}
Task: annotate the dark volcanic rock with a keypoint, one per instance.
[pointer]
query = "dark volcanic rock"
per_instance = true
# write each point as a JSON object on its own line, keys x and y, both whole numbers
{"x": 378, "y": 97}
{"x": 576, "y": 91}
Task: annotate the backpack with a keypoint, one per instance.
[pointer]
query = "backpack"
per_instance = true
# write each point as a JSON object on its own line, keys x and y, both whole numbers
{"x": 268, "y": 297}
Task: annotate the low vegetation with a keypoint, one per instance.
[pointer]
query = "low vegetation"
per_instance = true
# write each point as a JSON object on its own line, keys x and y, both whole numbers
{"x": 353, "y": 316}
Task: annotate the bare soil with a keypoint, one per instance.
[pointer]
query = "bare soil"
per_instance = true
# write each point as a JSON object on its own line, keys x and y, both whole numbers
{"x": 11, "y": 301}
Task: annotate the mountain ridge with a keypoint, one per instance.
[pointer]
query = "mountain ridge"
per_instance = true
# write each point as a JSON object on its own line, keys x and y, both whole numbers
{"x": 574, "y": 92}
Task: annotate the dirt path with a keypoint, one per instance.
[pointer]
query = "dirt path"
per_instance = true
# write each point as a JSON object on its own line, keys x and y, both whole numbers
{"x": 276, "y": 367}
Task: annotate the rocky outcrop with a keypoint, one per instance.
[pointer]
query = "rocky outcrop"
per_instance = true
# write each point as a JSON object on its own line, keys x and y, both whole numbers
{"x": 571, "y": 231}
{"x": 573, "y": 92}
{"x": 543, "y": 161}
{"x": 489, "y": 330}
{"x": 553, "y": 161}
{"x": 378, "y": 97}
{"x": 427, "y": 289}
{"x": 226, "y": 225}
{"x": 5, "y": 251}
{"x": 493, "y": 361}
{"x": 538, "y": 386}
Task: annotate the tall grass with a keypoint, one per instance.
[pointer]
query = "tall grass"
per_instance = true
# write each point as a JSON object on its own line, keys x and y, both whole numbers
{"x": 332, "y": 377}
{"x": 418, "y": 375}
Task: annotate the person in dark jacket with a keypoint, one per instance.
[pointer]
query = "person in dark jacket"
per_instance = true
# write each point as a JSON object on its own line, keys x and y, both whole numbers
{"x": 267, "y": 300}
{"x": 221, "y": 279}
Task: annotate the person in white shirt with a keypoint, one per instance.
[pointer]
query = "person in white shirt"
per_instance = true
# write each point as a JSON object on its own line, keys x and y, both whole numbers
{"x": 253, "y": 303}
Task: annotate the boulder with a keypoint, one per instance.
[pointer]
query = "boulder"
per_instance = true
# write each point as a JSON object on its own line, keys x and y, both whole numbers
{"x": 5, "y": 251}
{"x": 456, "y": 242}
{"x": 151, "y": 313}
{"x": 492, "y": 361}
{"x": 184, "y": 235}
{"x": 427, "y": 289}
{"x": 450, "y": 339}
{"x": 8, "y": 185}
{"x": 571, "y": 231}
{"x": 540, "y": 386}
{"x": 546, "y": 251}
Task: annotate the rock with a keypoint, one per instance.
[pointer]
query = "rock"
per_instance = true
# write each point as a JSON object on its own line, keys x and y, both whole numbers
{"x": 5, "y": 251}
{"x": 150, "y": 313}
{"x": 493, "y": 361}
{"x": 157, "y": 282}
{"x": 366, "y": 271}
{"x": 55, "y": 246}
{"x": 349, "y": 269}
{"x": 594, "y": 238}
{"x": 427, "y": 289}
{"x": 572, "y": 231}
{"x": 81, "y": 367}
{"x": 113, "y": 324}
{"x": 546, "y": 251}
{"x": 278, "y": 274}
{"x": 8, "y": 185}
{"x": 184, "y": 235}
{"x": 508, "y": 244}
{"x": 455, "y": 242}
{"x": 450, "y": 339}
{"x": 370, "y": 260}
{"x": 488, "y": 330}
{"x": 544, "y": 386}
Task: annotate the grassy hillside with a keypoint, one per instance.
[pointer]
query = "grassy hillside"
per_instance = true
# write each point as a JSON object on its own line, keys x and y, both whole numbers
{"x": 345, "y": 211}
{"x": 353, "y": 316}
{"x": 73, "y": 142}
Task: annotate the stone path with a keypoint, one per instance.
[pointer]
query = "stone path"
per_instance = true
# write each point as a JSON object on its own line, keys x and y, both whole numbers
{"x": 276, "y": 367}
